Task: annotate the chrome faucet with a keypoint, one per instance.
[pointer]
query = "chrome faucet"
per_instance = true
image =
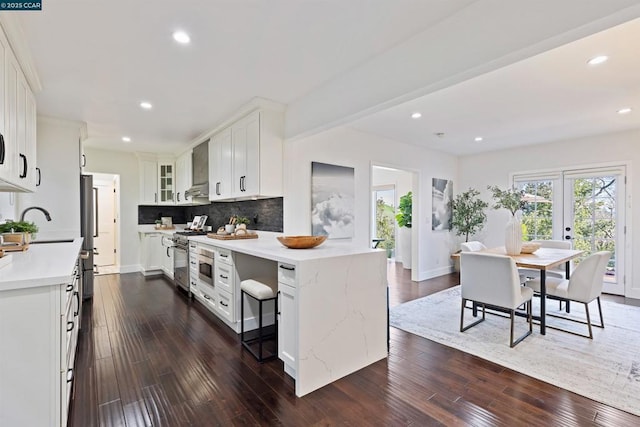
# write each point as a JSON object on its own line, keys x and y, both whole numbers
{"x": 44, "y": 211}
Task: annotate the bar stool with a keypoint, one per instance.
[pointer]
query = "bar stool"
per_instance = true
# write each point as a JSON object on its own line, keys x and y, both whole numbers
{"x": 261, "y": 290}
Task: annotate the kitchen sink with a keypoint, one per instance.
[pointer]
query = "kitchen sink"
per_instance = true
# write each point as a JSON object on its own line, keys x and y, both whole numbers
{"x": 35, "y": 242}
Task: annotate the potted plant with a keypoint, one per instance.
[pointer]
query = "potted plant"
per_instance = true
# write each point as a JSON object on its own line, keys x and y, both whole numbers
{"x": 18, "y": 231}
{"x": 510, "y": 199}
{"x": 468, "y": 215}
{"x": 403, "y": 218}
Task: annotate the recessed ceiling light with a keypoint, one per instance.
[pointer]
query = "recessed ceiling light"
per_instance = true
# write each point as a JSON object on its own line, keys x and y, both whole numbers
{"x": 597, "y": 60}
{"x": 146, "y": 105}
{"x": 624, "y": 110}
{"x": 181, "y": 37}
{"x": 477, "y": 139}
{"x": 126, "y": 139}
{"x": 416, "y": 115}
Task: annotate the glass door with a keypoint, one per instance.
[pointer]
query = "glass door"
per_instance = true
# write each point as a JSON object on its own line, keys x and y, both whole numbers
{"x": 584, "y": 206}
{"x": 594, "y": 221}
{"x": 384, "y": 220}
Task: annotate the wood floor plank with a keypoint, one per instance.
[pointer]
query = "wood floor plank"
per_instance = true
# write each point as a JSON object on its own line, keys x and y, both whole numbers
{"x": 148, "y": 356}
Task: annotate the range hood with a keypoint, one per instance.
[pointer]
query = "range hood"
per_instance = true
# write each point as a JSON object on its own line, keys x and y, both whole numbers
{"x": 199, "y": 191}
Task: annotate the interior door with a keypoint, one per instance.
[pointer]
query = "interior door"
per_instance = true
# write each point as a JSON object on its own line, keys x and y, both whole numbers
{"x": 594, "y": 219}
{"x": 104, "y": 240}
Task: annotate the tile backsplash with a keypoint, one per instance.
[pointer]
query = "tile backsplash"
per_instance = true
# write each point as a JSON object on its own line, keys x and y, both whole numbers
{"x": 263, "y": 214}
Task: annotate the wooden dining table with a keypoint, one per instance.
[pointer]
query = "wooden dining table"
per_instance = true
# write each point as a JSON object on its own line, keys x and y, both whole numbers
{"x": 542, "y": 259}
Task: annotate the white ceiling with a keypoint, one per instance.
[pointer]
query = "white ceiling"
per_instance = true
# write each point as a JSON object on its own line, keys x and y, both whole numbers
{"x": 549, "y": 97}
{"x": 97, "y": 60}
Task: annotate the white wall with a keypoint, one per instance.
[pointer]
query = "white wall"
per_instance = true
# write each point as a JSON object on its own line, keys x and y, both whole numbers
{"x": 348, "y": 147}
{"x": 8, "y": 207}
{"x": 126, "y": 166}
{"x": 58, "y": 157}
{"x": 480, "y": 170}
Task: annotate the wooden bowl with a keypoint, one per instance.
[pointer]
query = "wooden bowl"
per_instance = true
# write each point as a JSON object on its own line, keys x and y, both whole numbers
{"x": 529, "y": 247}
{"x": 301, "y": 242}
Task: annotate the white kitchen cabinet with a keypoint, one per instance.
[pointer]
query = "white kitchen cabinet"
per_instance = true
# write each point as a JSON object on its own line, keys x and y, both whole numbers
{"x": 148, "y": 182}
{"x": 183, "y": 177}
{"x": 18, "y": 142}
{"x": 152, "y": 253}
{"x": 6, "y": 149}
{"x": 246, "y": 159}
{"x": 167, "y": 256}
{"x": 166, "y": 183}
{"x": 193, "y": 268}
{"x": 220, "y": 160}
{"x": 287, "y": 318}
{"x": 39, "y": 329}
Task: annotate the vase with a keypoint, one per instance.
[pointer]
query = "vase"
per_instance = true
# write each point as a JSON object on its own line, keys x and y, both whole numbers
{"x": 513, "y": 236}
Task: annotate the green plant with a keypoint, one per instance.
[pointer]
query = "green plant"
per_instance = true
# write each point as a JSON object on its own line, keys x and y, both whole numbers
{"x": 242, "y": 220}
{"x": 510, "y": 199}
{"x": 468, "y": 215}
{"x": 403, "y": 217}
{"x": 19, "y": 227}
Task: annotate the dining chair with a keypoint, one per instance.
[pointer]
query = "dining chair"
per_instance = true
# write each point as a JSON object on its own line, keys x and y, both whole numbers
{"x": 472, "y": 246}
{"x": 584, "y": 286}
{"x": 492, "y": 280}
{"x": 558, "y": 271}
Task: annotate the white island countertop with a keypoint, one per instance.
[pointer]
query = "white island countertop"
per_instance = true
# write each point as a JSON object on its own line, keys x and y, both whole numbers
{"x": 42, "y": 264}
{"x": 268, "y": 247}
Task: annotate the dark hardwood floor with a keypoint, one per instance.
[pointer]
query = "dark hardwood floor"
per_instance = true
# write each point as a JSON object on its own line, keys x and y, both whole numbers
{"x": 148, "y": 356}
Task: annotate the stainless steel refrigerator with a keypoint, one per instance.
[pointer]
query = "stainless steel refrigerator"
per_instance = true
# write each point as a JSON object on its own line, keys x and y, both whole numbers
{"x": 88, "y": 226}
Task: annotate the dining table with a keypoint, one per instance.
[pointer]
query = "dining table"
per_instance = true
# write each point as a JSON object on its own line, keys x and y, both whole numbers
{"x": 542, "y": 259}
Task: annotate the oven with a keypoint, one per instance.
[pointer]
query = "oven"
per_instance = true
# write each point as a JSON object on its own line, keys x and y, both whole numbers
{"x": 205, "y": 266}
{"x": 181, "y": 262}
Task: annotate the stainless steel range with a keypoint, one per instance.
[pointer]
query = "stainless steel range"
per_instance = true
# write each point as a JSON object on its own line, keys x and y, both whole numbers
{"x": 181, "y": 258}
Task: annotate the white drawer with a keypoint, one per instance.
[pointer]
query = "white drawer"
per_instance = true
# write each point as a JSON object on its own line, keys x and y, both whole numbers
{"x": 224, "y": 303}
{"x": 206, "y": 300}
{"x": 287, "y": 274}
{"x": 224, "y": 256}
{"x": 224, "y": 277}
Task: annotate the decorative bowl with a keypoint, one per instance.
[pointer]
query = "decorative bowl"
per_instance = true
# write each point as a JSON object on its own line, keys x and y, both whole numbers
{"x": 529, "y": 247}
{"x": 301, "y": 242}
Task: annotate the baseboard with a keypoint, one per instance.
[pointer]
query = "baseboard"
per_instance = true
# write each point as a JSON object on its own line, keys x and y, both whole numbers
{"x": 430, "y": 274}
{"x": 130, "y": 269}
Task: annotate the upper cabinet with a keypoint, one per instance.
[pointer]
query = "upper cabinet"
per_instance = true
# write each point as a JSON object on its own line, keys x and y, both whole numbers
{"x": 166, "y": 182}
{"x": 245, "y": 159}
{"x": 183, "y": 178}
{"x": 148, "y": 182}
{"x": 157, "y": 180}
{"x": 18, "y": 171}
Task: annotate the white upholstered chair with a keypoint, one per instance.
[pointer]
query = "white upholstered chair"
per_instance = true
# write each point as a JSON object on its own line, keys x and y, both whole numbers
{"x": 472, "y": 246}
{"x": 558, "y": 271}
{"x": 584, "y": 285}
{"x": 492, "y": 280}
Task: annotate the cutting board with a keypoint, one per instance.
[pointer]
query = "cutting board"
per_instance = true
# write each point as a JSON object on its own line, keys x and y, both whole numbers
{"x": 232, "y": 236}
{"x": 15, "y": 248}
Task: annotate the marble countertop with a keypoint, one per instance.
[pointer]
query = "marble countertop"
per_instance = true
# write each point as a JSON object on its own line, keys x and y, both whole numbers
{"x": 42, "y": 264}
{"x": 268, "y": 247}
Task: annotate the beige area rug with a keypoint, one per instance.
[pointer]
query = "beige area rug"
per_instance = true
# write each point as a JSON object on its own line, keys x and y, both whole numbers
{"x": 605, "y": 369}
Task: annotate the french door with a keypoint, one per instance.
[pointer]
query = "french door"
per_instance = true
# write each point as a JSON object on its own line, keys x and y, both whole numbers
{"x": 583, "y": 206}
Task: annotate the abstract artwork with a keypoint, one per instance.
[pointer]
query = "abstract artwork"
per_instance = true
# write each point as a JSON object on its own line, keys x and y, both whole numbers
{"x": 332, "y": 200}
{"x": 442, "y": 194}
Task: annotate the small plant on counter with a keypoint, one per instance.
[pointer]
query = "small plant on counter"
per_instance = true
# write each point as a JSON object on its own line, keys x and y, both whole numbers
{"x": 242, "y": 220}
{"x": 18, "y": 227}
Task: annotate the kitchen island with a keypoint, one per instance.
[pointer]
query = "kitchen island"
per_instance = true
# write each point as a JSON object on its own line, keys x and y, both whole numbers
{"x": 332, "y": 303}
{"x": 40, "y": 302}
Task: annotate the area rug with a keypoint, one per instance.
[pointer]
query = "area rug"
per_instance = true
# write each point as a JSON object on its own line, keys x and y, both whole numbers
{"x": 605, "y": 369}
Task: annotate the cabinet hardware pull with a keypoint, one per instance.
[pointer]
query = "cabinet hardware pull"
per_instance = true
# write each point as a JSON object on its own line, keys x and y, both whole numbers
{"x": 224, "y": 256}
{"x": 193, "y": 263}
{"x": 24, "y": 165}
{"x": 84, "y": 161}
{"x": 224, "y": 277}
{"x": 206, "y": 297}
{"x": 279, "y": 302}
{"x": 217, "y": 188}
{"x": 69, "y": 287}
{"x": 155, "y": 197}
{"x": 222, "y": 303}
{"x": 69, "y": 377}
{"x": 168, "y": 247}
{"x": 284, "y": 267}
{"x": 70, "y": 328}
{"x": 39, "y": 177}
{"x": 3, "y": 151}
{"x": 76, "y": 312}
{"x": 178, "y": 196}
